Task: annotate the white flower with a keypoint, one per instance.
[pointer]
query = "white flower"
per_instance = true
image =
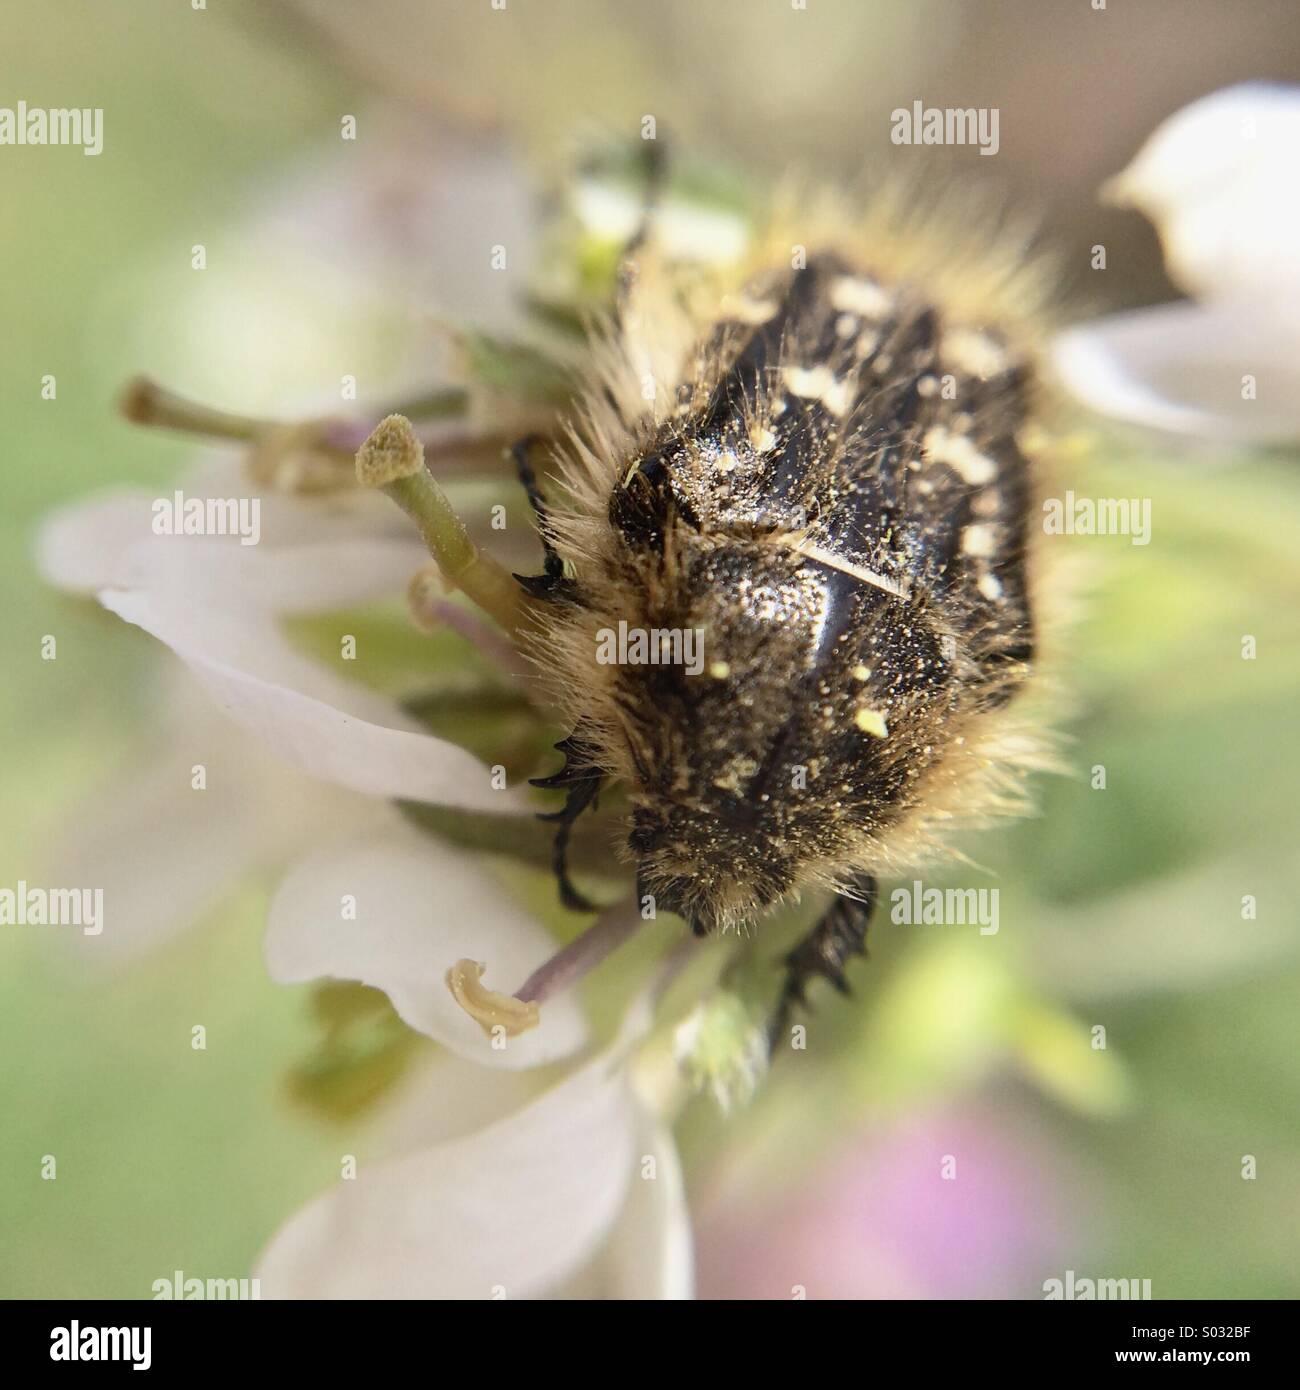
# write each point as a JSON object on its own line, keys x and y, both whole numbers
{"x": 162, "y": 853}
{"x": 420, "y": 906}
{"x": 1219, "y": 181}
{"x": 501, "y": 1190}
{"x": 499, "y": 1193}
{"x": 500, "y": 1187}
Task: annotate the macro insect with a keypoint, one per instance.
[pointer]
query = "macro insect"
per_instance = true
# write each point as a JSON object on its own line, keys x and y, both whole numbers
{"x": 820, "y": 463}
{"x": 836, "y": 499}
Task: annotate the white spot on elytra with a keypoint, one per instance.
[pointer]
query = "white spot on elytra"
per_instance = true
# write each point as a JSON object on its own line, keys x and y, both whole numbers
{"x": 990, "y": 586}
{"x": 857, "y": 296}
{"x": 979, "y": 540}
{"x": 974, "y": 352}
{"x": 960, "y": 455}
{"x": 742, "y": 309}
{"x": 819, "y": 384}
{"x": 872, "y": 722}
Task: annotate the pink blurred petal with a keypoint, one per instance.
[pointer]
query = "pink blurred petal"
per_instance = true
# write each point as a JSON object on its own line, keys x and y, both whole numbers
{"x": 879, "y": 1220}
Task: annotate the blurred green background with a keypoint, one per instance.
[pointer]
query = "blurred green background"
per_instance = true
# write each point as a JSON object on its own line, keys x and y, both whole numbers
{"x": 1120, "y": 907}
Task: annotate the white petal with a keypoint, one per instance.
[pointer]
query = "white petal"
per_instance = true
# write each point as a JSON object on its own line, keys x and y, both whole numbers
{"x": 449, "y": 1099}
{"x": 421, "y": 906}
{"x": 418, "y": 217}
{"x": 509, "y": 1211}
{"x": 98, "y": 541}
{"x": 650, "y": 1253}
{"x": 1181, "y": 367}
{"x": 289, "y": 518}
{"x": 311, "y": 577}
{"x": 164, "y": 854}
{"x": 80, "y": 547}
{"x": 328, "y": 727}
{"x": 212, "y": 603}
{"x": 1219, "y": 180}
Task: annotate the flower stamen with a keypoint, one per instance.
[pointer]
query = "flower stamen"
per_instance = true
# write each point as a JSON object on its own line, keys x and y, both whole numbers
{"x": 392, "y": 459}
{"x": 520, "y": 1011}
{"x": 567, "y": 966}
{"x": 487, "y": 1007}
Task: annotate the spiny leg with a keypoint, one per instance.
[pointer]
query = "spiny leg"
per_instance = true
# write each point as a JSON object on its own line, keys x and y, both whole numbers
{"x": 840, "y": 934}
{"x": 551, "y": 583}
{"x": 581, "y": 780}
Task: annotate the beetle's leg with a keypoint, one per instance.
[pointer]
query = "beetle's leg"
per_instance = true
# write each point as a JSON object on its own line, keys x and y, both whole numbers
{"x": 581, "y": 780}
{"x": 840, "y": 934}
{"x": 551, "y": 584}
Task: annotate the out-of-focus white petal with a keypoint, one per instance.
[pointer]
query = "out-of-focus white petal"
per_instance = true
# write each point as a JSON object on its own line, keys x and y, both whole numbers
{"x": 650, "y": 1253}
{"x": 165, "y": 853}
{"x": 1183, "y": 368}
{"x": 511, "y": 1210}
{"x": 419, "y": 216}
{"x": 1219, "y": 180}
{"x": 95, "y": 542}
{"x": 420, "y": 907}
{"x": 306, "y": 578}
{"x": 449, "y": 1099}
{"x": 326, "y": 726}
{"x": 80, "y": 547}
